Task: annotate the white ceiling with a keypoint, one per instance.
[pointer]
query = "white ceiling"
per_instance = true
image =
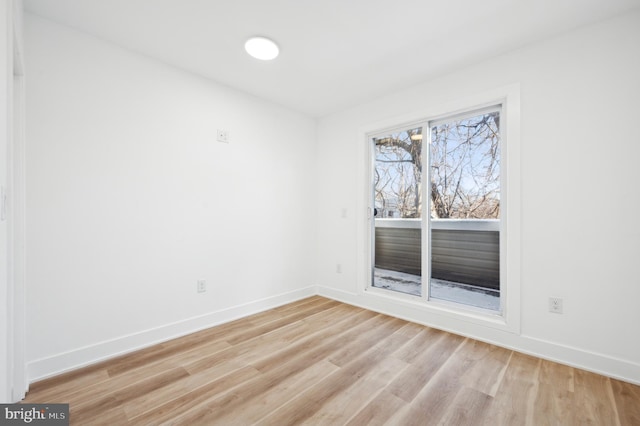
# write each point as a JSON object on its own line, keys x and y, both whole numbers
{"x": 334, "y": 53}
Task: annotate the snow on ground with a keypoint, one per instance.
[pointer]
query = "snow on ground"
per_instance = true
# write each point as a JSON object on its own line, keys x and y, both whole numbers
{"x": 440, "y": 289}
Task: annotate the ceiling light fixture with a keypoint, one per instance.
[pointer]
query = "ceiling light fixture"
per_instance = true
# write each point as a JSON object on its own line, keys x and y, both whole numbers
{"x": 262, "y": 48}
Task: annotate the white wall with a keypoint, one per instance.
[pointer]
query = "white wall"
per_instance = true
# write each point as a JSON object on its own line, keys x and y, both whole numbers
{"x": 580, "y": 146}
{"x": 130, "y": 201}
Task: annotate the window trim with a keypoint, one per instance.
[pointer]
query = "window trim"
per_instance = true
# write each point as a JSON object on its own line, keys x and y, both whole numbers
{"x": 508, "y": 319}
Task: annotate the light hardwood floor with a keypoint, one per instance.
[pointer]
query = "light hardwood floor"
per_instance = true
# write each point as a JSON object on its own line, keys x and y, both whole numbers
{"x": 321, "y": 362}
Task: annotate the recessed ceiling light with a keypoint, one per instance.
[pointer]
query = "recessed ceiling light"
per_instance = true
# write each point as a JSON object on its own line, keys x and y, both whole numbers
{"x": 261, "y": 48}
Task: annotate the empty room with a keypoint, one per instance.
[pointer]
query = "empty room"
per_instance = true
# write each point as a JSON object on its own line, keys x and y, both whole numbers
{"x": 324, "y": 213}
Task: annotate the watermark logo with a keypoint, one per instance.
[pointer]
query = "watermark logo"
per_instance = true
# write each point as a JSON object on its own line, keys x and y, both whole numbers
{"x": 34, "y": 414}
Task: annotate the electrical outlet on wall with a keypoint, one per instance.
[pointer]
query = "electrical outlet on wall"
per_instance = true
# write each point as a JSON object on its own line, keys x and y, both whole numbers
{"x": 202, "y": 286}
{"x": 555, "y": 305}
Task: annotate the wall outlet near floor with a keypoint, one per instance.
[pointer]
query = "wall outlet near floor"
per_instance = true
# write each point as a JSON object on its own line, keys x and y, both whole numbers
{"x": 338, "y": 268}
{"x": 202, "y": 286}
{"x": 555, "y": 305}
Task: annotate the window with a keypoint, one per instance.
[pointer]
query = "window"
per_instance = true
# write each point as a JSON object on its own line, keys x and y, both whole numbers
{"x": 452, "y": 254}
{"x": 464, "y": 173}
{"x": 397, "y": 190}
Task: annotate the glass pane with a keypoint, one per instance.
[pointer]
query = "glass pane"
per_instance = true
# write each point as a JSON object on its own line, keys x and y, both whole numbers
{"x": 397, "y": 191}
{"x": 465, "y": 211}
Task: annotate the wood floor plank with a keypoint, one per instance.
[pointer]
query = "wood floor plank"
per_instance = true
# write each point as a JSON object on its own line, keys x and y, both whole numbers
{"x": 299, "y": 332}
{"x": 282, "y": 322}
{"x": 150, "y": 401}
{"x": 160, "y": 352}
{"x": 424, "y": 339}
{"x": 317, "y": 361}
{"x": 557, "y": 375}
{"x": 411, "y": 329}
{"x": 89, "y": 393}
{"x": 276, "y": 372}
{"x": 367, "y": 339}
{"x": 433, "y": 400}
{"x": 553, "y": 407}
{"x": 307, "y": 404}
{"x": 323, "y": 342}
{"x": 276, "y": 396}
{"x": 280, "y": 366}
{"x": 378, "y": 411}
{"x": 355, "y": 397}
{"x": 487, "y": 365}
{"x": 424, "y": 367}
{"x": 233, "y": 332}
{"x": 109, "y": 417}
{"x": 58, "y": 388}
{"x": 82, "y": 411}
{"x": 294, "y": 306}
{"x": 185, "y": 402}
{"x": 594, "y": 399}
{"x": 467, "y": 407}
{"x": 627, "y": 397}
{"x": 342, "y": 319}
{"x": 247, "y": 349}
{"x": 515, "y": 399}
{"x": 554, "y": 403}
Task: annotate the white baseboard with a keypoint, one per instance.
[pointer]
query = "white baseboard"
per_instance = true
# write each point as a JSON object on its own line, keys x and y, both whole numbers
{"x": 575, "y": 357}
{"x": 81, "y": 357}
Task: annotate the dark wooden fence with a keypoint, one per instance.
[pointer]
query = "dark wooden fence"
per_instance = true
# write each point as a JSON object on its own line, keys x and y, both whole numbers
{"x": 462, "y": 251}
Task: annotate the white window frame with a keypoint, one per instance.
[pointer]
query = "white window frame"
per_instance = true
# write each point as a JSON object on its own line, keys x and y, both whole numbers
{"x": 508, "y": 318}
